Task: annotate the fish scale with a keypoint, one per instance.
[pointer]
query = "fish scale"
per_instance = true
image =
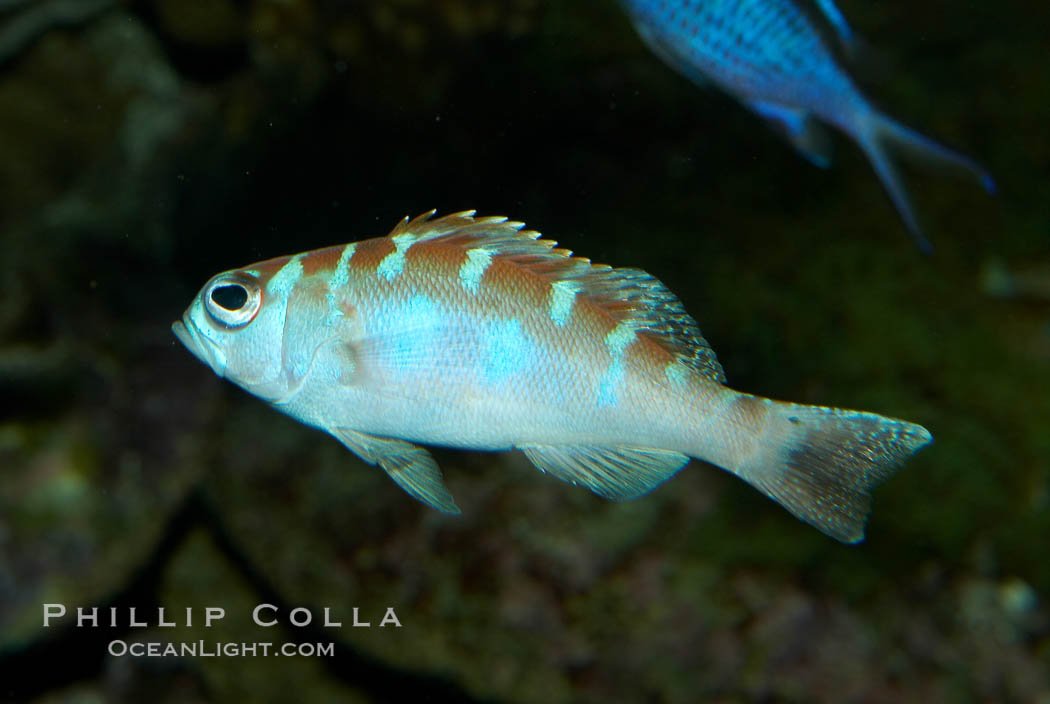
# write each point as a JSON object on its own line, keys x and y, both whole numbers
{"x": 474, "y": 333}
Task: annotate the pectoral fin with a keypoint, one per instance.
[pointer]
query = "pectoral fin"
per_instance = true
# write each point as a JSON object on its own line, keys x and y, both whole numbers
{"x": 409, "y": 465}
{"x": 808, "y": 136}
{"x": 618, "y": 472}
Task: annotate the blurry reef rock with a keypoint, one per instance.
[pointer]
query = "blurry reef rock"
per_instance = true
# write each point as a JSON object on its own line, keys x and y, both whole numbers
{"x": 147, "y": 144}
{"x": 1030, "y": 284}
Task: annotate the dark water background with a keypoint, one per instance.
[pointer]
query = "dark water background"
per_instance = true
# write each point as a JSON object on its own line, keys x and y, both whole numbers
{"x": 145, "y": 146}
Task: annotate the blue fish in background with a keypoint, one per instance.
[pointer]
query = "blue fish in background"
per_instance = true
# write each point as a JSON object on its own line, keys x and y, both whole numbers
{"x": 775, "y": 57}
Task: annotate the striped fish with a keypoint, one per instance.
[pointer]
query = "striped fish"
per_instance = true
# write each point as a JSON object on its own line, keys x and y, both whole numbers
{"x": 474, "y": 333}
{"x": 776, "y": 58}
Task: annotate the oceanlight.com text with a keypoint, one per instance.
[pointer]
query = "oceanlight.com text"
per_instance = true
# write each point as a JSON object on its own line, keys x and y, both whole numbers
{"x": 210, "y": 649}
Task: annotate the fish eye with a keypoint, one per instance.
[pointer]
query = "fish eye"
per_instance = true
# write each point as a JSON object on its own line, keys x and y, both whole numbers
{"x": 232, "y": 297}
{"x": 233, "y": 300}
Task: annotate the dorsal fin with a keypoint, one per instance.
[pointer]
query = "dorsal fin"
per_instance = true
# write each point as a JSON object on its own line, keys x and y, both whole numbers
{"x": 626, "y": 294}
{"x": 838, "y": 22}
{"x": 664, "y": 317}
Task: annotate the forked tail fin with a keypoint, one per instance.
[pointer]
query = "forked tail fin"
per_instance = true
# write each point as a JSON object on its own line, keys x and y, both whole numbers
{"x": 878, "y": 133}
{"x": 822, "y": 463}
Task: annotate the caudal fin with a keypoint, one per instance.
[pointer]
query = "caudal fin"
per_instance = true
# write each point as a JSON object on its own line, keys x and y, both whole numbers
{"x": 822, "y": 463}
{"x": 879, "y": 133}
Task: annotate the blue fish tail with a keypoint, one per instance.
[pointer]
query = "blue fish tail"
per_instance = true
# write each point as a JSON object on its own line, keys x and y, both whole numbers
{"x": 879, "y": 133}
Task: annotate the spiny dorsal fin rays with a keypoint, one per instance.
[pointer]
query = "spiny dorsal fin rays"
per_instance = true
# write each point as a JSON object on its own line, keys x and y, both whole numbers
{"x": 462, "y": 224}
{"x": 626, "y": 294}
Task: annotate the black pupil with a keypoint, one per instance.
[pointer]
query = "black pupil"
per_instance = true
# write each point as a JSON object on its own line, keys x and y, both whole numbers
{"x": 231, "y": 297}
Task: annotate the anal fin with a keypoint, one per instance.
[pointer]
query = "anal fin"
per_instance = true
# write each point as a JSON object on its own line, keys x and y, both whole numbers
{"x": 809, "y": 137}
{"x": 614, "y": 472}
{"x": 412, "y": 467}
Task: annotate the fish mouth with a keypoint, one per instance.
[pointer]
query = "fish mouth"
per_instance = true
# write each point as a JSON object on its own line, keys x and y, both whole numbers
{"x": 201, "y": 347}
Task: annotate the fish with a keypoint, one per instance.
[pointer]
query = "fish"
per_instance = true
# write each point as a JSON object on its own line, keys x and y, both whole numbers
{"x": 779, "y": 58}
{"x": 474, "y": 333}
